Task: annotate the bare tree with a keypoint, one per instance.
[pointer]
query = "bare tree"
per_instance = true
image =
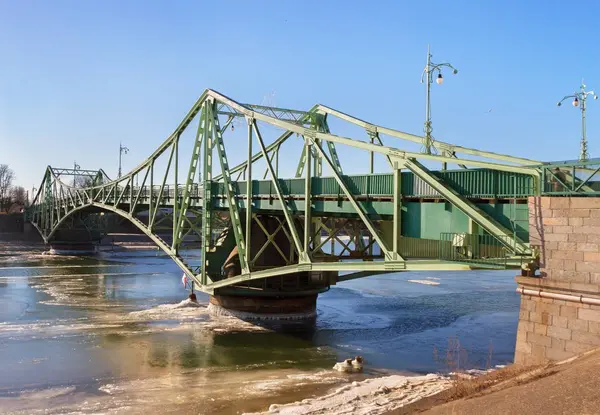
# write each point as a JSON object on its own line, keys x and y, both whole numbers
{"x": 6, "y": 178}
{"x": 19, "y": 196}
{"x": 83, "y": 181}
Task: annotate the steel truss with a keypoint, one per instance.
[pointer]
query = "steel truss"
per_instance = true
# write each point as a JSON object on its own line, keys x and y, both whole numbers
{"x": 188, "y": 199}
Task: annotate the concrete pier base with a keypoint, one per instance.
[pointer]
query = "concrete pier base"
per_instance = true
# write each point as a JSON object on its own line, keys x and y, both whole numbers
{"x": 72, "y": 248}
{"x": 264, "y": 308}
{"x": 560, "y": 311}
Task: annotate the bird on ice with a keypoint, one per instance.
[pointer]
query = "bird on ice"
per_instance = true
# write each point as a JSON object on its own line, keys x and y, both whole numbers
{"x": 350, "y": 365}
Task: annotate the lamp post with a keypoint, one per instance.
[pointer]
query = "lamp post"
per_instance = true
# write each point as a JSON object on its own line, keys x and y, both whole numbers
{"x": 431, "y": 69}
{"x": 579, "y": 100}
{"x": 122, "y": 149}
{"x": 75, "y": 168}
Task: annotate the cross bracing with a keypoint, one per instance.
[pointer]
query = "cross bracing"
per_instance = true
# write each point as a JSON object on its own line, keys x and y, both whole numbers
{"x": 310, "y": 214}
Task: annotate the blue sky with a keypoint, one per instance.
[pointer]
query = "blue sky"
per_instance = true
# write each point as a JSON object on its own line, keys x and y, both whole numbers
{"x": 78, "y": 77}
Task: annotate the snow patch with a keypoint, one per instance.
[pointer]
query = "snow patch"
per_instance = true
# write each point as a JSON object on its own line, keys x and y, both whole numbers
{"x": 371, "y": 396}
{"x": 424, "y": 282}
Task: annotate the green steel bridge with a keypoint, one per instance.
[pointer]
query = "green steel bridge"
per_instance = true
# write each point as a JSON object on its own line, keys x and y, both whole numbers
{"x": 325, "y": 224}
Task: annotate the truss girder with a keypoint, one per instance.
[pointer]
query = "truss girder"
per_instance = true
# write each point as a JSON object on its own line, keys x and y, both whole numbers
{"x": 56, "y": 199}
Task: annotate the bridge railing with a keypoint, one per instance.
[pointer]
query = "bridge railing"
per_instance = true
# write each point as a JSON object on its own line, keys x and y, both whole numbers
{"x": 482, "y": 249}
{"x": 571, "y": 178}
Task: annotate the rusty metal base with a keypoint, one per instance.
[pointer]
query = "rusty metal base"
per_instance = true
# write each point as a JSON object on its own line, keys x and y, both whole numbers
{"x": 264, "y": 308}
{"x": 74, "y": 248}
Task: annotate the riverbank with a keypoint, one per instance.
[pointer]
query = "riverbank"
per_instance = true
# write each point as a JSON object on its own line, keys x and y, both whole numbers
{"x": 567, "y": 387}
{"x": 110, "y": 334}
{"x": 372, "y": 396}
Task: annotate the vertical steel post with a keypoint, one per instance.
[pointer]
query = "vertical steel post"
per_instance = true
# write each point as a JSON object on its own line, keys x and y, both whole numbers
{"x": 584, "y": 151}
{"x": 249, "y": 194}
{"x": 131, "y": 207}
{"x": 151, "y": 202}
{"x": 397, "y": 233}
{"x": 372, "y": 155}
{"x": 277, "y": 161}
{"x": 175, "y": 197}
{"x": 207, "y": 149}
{"x": 428, "y": 104}
{"x": 307, "y": 201}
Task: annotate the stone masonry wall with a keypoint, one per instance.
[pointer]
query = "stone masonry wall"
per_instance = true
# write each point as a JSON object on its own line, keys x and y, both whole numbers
{"x": 567, "y": 231}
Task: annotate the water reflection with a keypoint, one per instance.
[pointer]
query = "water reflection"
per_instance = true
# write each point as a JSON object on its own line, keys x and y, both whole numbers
{"x": 98, "y": 321}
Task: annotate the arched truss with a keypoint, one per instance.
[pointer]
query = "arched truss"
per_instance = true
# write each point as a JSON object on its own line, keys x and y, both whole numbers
{"x": 199, "y": 198}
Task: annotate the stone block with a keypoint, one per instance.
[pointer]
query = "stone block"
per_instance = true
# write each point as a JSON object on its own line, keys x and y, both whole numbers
{"x": 576, "y": 347}
{"x": 567, "y": 246}
{"x": 563, "y": 285}
{"x": 580, "y": 277}
{"x": 541, "y": 340}
{"x": 577, "y": 237}
{"x": 540, "y": 328}
{"x": 562, "y": 203}
{"x": 528, "y": 305}
{"x": 558, "y": 321}
{"x": 565, "y": 229}
{"x": 595, "y": 213}
{"x": 585, "y": 266}
{"x": 524, "y": 315}
{"x": 558, "y": 354}
{"x": 570, "y": 264}
{"x": 583, "y": 203}
{"x": 592, "y": 257}
{"x": 572, "y": 255}
{"x": 549, "y": 308}
{"x": 594, "y": 239}
{"x": 589, "y": 230}
{"x": 575, "y": 221}
{"x": 558, "y": 237}
{"x": 569, "y": 312}
{"x": 579, "y": 213}
{"x": 586, "y": 246}
{"x": 561, "y": 302}
{"x": 526, "y": 325}
{"x": 557, "y": 221}
{"x": 594, "y": 277}
{"x": 558, "y": 332}
{"x": 593, "y": 327}
{"x": 578, "y": 325}
{"x": 558, "y": 343}
{"x": 522, "y": 346}
{"x": 591, "y": 221}
{"x": 538, "y": 354}
{"x": 588, "y": 314}
{"x": 586, "y": 338}
{"x": 585, "y": 288}
{"x": 555, "y": 264}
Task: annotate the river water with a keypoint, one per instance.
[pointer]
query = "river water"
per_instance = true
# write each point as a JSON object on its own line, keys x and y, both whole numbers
{"x": 105, "y": 334}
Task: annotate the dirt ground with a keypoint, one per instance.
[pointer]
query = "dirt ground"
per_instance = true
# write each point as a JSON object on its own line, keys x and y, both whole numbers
{"x": 571, "y": 387}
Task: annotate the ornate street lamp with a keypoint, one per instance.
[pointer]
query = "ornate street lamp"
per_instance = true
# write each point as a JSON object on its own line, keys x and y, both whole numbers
{"x": 122, "y": 149}
{"x": 579, "y": 100}
{"x": 75, "y": 168}
{"x": 431, "y": 69}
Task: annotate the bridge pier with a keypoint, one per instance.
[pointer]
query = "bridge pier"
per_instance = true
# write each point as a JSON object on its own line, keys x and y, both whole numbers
{"x": 560, "y": 310}
{"x": 263, "y": 307}
{"x": 74, "y": 242}
{"x": 72, "y": 248}
{"x": 290, "y": 296}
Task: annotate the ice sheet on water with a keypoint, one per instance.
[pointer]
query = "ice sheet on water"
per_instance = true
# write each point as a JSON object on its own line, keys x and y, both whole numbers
{"x": 184, "y": 309}
{"x": 424, "y": 282}
{"x": 372, "y": 396}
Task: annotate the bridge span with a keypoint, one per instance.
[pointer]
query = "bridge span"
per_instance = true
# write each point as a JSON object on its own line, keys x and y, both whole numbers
{"x": 294, "y": 237}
